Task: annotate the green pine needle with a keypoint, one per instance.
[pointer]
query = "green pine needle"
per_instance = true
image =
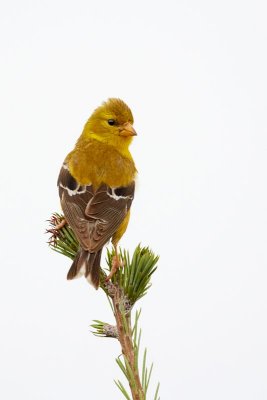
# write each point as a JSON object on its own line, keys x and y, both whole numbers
{"x": 62, "y": 240}
{"x": 122, "y": 389}
{"x": 103, "y": 329}
{"x": 134, "y": 278}
{"x": 126, "y": 368}
{"x": 156, "y": 394}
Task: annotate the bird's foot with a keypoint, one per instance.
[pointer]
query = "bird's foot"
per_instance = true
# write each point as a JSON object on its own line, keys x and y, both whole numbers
{"x": 56, "y": 223}
{"x": 116, "y": 264}
{"x": 60, "y": 225}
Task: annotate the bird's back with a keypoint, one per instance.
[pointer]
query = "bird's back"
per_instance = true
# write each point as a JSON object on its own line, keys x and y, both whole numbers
{"x": 98, "y": 163}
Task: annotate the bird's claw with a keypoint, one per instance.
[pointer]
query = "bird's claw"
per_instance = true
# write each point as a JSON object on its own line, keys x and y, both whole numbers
{"x": 115, "y": 265}
{"x": 60, "y": 225}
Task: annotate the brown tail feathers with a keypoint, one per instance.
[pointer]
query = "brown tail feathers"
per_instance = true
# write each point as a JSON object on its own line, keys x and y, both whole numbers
{"x": 87, "y": 264}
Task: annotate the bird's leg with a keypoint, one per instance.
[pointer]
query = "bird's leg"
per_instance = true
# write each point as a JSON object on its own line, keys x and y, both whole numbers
{"x": 116, "y": 264}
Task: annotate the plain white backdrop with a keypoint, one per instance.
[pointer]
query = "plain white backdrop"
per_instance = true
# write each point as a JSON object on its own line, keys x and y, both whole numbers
{"x": 194, "y": 75}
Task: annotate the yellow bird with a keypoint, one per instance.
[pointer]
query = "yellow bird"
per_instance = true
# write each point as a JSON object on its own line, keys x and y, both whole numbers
{"x": 96, "y": 187}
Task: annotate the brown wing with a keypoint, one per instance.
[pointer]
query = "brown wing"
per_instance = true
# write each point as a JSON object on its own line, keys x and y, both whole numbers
{"x": 93, "y": 214}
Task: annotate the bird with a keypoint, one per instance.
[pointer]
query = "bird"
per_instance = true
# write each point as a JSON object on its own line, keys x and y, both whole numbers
{"x": 96, "y": 186}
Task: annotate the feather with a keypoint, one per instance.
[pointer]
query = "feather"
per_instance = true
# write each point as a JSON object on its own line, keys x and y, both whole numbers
{"x": 87, "y": 264}
{"x": 94, "y": 215}
{"x": 96, "y": 185}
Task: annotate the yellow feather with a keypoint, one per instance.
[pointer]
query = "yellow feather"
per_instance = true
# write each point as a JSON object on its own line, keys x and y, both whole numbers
{"x": 96, "y": 163}
{"x": 121, "y": 230}
{"x": 101, "y": 154}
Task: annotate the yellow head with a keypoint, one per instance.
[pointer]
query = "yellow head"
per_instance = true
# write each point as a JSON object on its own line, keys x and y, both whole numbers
{"x": 112, "y": 124}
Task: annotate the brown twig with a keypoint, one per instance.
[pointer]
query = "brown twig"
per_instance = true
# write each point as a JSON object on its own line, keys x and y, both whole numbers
{"x": 122, "y": 313}
{"x": 122, "y": 293}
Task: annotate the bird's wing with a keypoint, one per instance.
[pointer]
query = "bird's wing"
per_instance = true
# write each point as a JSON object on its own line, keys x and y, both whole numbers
{"x": 93, "y": 214}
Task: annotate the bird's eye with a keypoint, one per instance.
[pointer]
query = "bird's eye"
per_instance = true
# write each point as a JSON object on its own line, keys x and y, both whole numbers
{"x": 111, "y": 121}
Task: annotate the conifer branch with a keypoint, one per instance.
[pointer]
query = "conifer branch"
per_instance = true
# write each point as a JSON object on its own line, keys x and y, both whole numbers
{"x": 127, "y": 286}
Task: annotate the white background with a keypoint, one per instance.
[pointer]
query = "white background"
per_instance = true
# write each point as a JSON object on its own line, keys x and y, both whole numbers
{"x": 194, "y": 74}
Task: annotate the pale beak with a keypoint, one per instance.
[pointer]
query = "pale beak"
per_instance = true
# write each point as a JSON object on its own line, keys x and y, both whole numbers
{"x": 127, "y": 130}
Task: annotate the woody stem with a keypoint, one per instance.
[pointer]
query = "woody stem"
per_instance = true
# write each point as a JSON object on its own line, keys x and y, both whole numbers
{"x": 123, "y": 322}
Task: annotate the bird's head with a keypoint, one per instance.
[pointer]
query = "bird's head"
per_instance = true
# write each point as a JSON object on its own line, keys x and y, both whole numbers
{"x": 111, "y": 123}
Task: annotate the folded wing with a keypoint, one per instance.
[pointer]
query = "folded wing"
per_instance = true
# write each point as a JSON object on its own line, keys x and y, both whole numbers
{"x": 93, "y": 213}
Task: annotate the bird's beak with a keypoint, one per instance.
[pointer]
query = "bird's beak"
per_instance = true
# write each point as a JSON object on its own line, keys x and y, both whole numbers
{"x": 127, "y": 130}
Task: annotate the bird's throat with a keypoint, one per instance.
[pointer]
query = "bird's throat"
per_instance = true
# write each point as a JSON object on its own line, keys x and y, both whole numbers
{"x": 120, "y": 143}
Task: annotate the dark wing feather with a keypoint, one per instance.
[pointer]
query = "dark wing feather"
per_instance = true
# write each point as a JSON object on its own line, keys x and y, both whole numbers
{"x": 93, "y": 214}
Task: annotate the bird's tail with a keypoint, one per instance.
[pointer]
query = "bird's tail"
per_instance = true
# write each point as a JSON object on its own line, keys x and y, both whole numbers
{"x": 87, "y": 264}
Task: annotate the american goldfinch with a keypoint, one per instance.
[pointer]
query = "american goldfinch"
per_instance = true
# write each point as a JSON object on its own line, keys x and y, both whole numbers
{"x": 96, "y": 187}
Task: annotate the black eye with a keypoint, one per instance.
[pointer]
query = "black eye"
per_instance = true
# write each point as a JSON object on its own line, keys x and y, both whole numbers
{"x": 111, "y": 121}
